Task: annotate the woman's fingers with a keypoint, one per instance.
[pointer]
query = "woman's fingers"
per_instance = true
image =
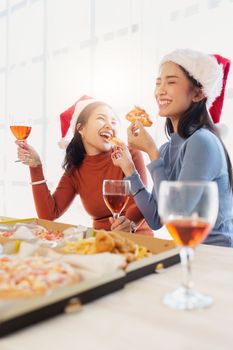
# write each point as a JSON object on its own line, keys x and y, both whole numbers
{"x": 23, "y": 153}
{"x": 135, "y": 129}
{"x": 119, "y": 151}
{"x": 22, "y": 144}
{"x": 25, "y": 157}
{"x": 117, "y": 154}
{"x": 121, "y": 224}
{"x": 28, "y": 156}
{"x": 139, "y": 138}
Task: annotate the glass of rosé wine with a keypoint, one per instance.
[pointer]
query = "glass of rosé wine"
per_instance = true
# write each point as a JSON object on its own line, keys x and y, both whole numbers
{"x": 189, "y": 211}
{"x": 21, "y": 130}
{"x": 116, "y": 195}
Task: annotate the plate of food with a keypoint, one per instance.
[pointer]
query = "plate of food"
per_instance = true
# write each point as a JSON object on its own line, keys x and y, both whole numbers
{"x": 11, "y": 235}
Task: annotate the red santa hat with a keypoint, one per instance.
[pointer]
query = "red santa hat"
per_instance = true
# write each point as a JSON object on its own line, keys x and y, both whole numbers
{"x": 216, "y": 108}
{"x": 210, "y": 71}
{"x": 70, "y": 116}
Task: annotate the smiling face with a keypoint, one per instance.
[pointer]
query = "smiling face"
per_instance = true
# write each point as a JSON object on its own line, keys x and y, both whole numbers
{"x": 102, "y": 124}
{"x": 174, "y": 92}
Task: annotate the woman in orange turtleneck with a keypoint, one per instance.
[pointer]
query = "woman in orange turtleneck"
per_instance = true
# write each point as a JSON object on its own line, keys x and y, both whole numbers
{"x": 87, "y": 163}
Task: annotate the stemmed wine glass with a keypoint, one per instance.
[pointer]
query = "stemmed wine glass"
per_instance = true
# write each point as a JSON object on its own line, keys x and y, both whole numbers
{"x": 116, "y": 195}
{"x": 189, "y": 211}
{"x": 21, "y": 130}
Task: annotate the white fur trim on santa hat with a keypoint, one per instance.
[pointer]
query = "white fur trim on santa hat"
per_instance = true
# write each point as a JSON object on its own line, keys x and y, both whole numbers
{"x": 78, "y": 109}
{"x": 202, "y": 67}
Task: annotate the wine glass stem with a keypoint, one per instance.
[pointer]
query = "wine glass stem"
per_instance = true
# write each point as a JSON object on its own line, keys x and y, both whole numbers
{"x": 186, "y": 256}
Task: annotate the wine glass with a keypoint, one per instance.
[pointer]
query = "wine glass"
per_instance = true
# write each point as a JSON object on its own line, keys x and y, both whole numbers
{"x": 116, "y": 195}
{"x": 21, "y": 130}
{"x": 189, "y": 211}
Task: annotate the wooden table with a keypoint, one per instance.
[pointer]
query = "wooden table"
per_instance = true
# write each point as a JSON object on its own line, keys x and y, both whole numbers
{"x": 135, "y": 317}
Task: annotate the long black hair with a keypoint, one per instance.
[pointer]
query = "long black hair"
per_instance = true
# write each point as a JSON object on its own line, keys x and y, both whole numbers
{"x": 194, "y": 118}
{"x": 75, "y": 151}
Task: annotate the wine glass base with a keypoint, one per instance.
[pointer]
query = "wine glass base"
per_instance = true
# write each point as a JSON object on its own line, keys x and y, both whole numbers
{"x": 190, "y": 299}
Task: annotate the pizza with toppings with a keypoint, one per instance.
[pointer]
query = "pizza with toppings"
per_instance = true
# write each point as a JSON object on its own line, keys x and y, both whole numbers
{"x": 50, "y": 235}
{"x": 32, "y": 276}
{"x": 28, "y": 233}
{"x": 137, "y": 113}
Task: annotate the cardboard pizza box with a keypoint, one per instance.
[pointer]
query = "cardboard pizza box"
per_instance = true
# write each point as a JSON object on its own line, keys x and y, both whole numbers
{"x": 17, "y": 314}
{"x": 164, "y": 251}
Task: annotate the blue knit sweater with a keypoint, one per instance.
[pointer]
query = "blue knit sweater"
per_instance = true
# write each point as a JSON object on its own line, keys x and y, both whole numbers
{"x": 199, "y": 158}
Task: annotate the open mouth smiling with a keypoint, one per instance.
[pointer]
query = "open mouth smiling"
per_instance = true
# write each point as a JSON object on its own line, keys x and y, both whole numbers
{"x": 164, "y": 103}
{"x": 106, "y": 135}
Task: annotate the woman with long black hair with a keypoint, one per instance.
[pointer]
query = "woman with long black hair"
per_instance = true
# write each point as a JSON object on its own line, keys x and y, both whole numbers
{"x": 87, "y": 163}
{"x": 189, "y": 93}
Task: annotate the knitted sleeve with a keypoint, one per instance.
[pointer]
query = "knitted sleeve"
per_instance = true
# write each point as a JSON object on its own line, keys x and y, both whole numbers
{"x": 51, "y": 206}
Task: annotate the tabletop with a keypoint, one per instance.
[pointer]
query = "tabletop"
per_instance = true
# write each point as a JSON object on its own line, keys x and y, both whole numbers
{"x": 136, "y": 318}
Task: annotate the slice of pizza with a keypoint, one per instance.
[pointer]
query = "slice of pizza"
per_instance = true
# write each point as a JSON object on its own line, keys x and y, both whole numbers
{"x": 115, "y": 141}
{"x": 137, "y": 113}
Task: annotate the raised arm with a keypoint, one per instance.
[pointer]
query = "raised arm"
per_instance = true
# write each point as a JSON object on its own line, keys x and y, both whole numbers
{"x": 48, "y": 206}
{"x": 200, "y": 158}
{"x": 51, "y": 206}
{"x": 133, "y": 212}
{"x": 145, "y": 202}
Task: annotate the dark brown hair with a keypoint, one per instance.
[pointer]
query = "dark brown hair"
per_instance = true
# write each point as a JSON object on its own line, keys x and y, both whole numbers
{"x": 75, "y": 151}
{"x": 197, "y": 117}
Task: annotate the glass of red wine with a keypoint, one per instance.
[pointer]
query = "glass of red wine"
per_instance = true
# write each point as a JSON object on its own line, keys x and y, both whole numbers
{"x": 189, "y": 211}
{"x": 116, "y": 195}
{"x": 21, "y": 130}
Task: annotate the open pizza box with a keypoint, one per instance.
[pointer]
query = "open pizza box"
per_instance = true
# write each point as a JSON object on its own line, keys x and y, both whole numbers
{"x": 164, "y": 254}
{"x": 19, "y": 313}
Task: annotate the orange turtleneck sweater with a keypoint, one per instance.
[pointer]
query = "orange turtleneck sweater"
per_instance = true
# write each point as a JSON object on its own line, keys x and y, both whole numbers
{"x": 87, "y": 181}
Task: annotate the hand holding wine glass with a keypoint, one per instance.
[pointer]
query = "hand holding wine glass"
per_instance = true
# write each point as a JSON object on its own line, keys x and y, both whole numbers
{"x": 189, "y": 211}
{"x": 116, "y": 195}
{"x": 27, "y": 154}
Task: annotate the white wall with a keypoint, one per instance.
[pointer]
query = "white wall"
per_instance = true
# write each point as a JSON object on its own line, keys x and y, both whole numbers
{"x": 53, "y": 51}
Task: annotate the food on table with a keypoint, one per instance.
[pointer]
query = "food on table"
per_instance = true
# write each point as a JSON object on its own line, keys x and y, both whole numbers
{"x": 107, "y": 242}
{"x": 23, "y": 232}
{"x": 33, "y": 276}
{"x": 50, "y": 235}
